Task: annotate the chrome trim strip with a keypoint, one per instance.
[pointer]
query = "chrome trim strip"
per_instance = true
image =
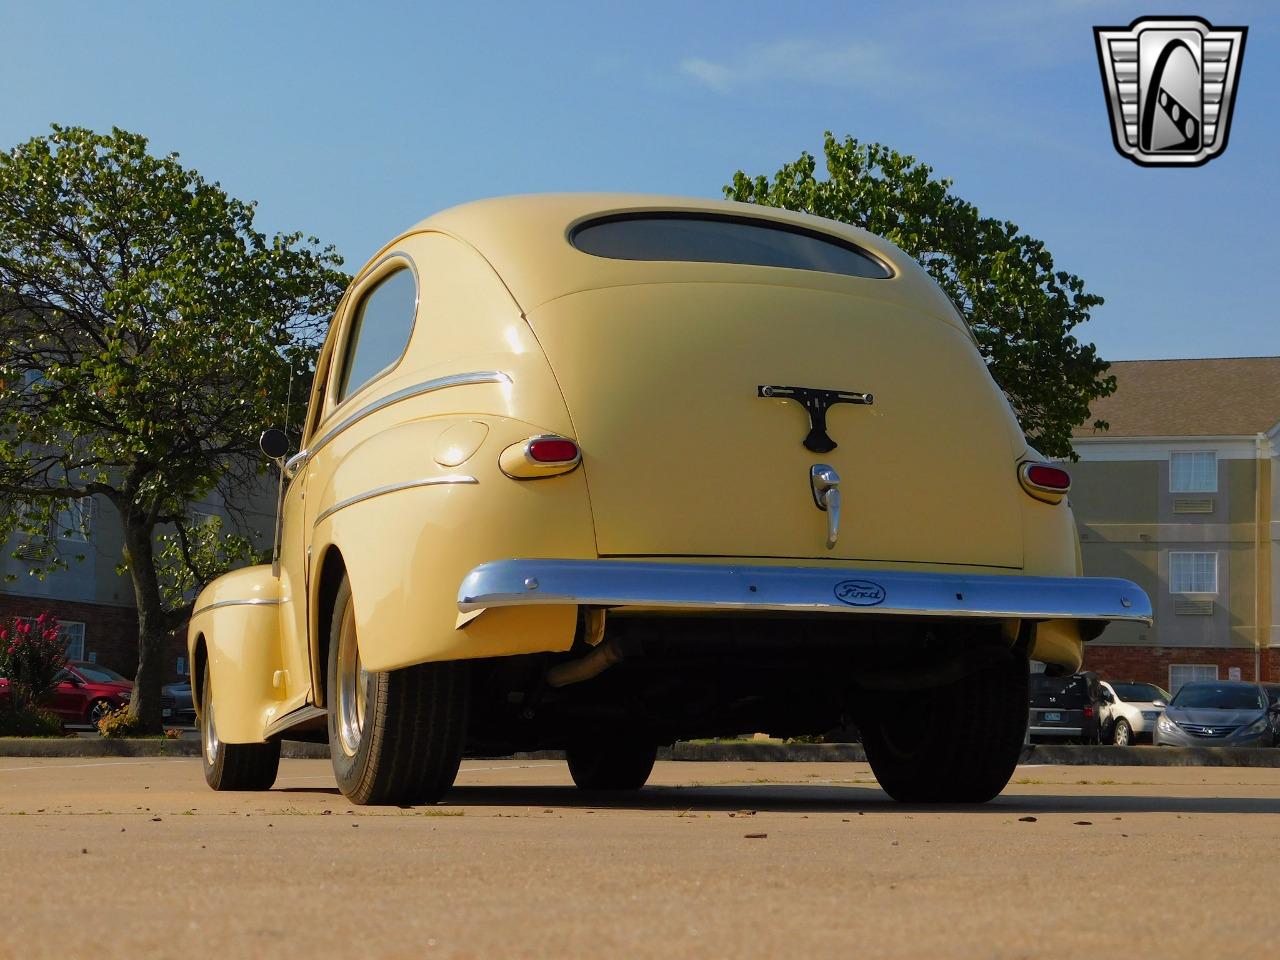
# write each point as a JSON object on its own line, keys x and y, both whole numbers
{"x": 695, "y": 586}
{"x": 294, "y": 718}
{"x": 236, "y": 603}
{"x": 393, "y": 488}
{"x": 406, "y": 393}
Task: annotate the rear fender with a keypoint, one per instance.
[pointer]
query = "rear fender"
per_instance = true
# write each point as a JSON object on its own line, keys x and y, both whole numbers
{"x": 237, "y": 623}
{"x": 407, "y": 552}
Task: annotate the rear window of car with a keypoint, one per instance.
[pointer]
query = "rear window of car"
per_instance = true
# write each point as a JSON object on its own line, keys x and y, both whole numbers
{"x": 1139, "y": 692}
{"x": 1067, "y": 691}
{"x": 707, "y": 238}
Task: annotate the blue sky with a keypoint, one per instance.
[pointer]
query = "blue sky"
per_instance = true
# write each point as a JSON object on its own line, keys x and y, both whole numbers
{"x": 354, "y": 121}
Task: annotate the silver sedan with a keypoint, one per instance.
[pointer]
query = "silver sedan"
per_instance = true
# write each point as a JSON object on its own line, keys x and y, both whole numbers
{"x": 1219, "y": 714}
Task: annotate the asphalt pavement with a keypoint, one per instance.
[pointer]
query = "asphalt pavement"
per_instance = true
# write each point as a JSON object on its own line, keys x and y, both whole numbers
{"x": 136, "y": 858}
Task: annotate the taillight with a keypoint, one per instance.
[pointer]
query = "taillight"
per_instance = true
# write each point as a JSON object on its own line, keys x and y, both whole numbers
{"x": 552, "y": 450}
{"x": 540, "y": 457}
{"x": 1088, "y": 713}
{"x": 1044, "y": 481}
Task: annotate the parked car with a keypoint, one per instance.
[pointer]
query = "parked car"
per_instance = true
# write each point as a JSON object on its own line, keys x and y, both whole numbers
{"x": 1220, "y": 713}
{"x": 184, "y": 710}
{"x": 599, "y": 472}
{"x": 1067, "y": 709}
{"x": 86, "y": 692}
{"x": 1132, "y": 709}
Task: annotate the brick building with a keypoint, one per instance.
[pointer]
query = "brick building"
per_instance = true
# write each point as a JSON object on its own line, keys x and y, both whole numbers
{"x": 93, "y": 603}
{"x": 1179, "y": 497}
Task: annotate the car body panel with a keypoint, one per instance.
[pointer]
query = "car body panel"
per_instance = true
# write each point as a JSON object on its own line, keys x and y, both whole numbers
{"x": 399, "y": 485}
{"x": 684, "y": 433}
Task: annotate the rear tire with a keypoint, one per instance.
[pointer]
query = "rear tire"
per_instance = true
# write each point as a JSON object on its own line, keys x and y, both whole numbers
{"x": 960, "y": 745}
{"x": 394, "y": 737}
{"x": 233, "y": 766}
{"x": 604, "y": 764}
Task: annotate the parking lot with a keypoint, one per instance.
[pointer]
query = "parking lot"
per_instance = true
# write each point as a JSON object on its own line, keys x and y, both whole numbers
{"x": 712, "y": 859}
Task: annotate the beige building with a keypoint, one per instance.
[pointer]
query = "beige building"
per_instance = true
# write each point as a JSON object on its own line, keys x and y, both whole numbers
{"x": 1178, "y": 496}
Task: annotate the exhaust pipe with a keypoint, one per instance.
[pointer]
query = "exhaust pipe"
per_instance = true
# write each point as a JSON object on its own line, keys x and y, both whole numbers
{"x": 584, "y": 668}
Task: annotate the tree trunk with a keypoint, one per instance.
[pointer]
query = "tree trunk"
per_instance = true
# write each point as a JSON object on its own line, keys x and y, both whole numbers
{"x": 152, "y": 625}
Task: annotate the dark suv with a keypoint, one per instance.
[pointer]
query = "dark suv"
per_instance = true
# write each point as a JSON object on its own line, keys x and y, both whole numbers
{"x": 1066, "y": 708}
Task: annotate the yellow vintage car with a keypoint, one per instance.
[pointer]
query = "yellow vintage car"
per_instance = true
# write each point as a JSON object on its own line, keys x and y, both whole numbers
{"x": 601, "y": 472}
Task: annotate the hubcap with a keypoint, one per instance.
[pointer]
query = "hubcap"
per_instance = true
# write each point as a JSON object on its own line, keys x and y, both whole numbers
{"x": 208, "y": 732}
{"x": 353, "y": 683}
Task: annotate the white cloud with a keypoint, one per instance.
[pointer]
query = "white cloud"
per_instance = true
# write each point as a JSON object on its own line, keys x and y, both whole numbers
{"x": 848, "y": 64}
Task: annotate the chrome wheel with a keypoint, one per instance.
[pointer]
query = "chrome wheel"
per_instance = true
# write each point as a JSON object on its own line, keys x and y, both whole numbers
{"x": 99, "y": 710}
{"x": 352, "y": 688}
{"x": 208, "y": 733}
{"x": 1123, "y": 735}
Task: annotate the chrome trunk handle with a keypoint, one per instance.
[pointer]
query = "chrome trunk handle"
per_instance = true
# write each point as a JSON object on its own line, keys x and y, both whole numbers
{"x": 825, "y": 483}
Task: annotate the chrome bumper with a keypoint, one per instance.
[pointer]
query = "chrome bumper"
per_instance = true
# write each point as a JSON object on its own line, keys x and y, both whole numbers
{"x": 836, "y": 590}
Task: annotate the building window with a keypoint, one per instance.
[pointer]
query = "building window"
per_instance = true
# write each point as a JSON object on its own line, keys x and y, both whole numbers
{"x": 1193, "y": 573}
{"x": 75, "y": 520}
{"x": 200, "y": 518}
{"x": 72, "y": 633}
{"x": 1181, "y": 673}
{"x": 1193, "y": 472}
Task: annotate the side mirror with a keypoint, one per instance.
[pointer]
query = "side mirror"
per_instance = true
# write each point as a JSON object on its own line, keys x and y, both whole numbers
{"x": 274, "y": 443}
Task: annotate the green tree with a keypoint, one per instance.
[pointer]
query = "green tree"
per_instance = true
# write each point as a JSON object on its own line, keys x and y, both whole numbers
{"x": 1021, "y": 310}
{"x": 148, "y": 333}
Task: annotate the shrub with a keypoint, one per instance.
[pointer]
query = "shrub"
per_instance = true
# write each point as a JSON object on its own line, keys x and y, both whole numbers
{"x": 31, "y": 655}
{"x": 30, "y": 722}
{"x": 119, "y": 723}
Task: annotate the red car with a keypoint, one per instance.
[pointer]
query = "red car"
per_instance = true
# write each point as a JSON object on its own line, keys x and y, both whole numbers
{"x": 87, "y": 691}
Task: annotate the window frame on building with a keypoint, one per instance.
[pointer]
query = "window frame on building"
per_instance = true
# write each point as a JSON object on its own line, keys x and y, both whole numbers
{"x": 64, "y": 633}
{"x": 1193, "y": 678}
{"x": 204, "y": 518}
{"x": 1197, "y": 480}
{"x": 74, "y": 521}
{"x": 1173, "y": 583}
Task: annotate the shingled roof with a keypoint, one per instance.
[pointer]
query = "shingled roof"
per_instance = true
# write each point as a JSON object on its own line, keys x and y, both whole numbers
{"x": 1228, "y": 396}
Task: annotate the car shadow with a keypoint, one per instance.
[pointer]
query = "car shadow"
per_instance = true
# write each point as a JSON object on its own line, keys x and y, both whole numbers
{"x": 826, "y": 798}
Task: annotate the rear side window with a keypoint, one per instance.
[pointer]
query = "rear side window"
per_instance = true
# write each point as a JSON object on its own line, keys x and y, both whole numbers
{"x": 380, "y": 331}
{"x": 1071, "y": 691}
{"x": 717, "y": 239}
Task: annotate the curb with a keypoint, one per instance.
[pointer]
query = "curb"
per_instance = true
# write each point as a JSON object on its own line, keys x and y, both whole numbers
{"x": 748, "y": 751}
{"x": 102, "y": 747}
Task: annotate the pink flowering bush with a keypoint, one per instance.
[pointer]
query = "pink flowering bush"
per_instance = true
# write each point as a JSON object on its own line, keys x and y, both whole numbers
{"x": 31, "y": 655}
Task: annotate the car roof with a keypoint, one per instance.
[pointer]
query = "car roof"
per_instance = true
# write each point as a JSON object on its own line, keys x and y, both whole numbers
{"x": 525, "y": 240}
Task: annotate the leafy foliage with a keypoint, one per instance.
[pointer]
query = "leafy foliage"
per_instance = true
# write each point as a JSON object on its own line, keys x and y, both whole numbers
{"x": 194, "y": 555}
{"x": 1022, "y": 310}
{"x": 148, "y": 334}
{"x": 31, "y": 654}
{"x": 30, "y": 722}
{"x": 120, "y": 723}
